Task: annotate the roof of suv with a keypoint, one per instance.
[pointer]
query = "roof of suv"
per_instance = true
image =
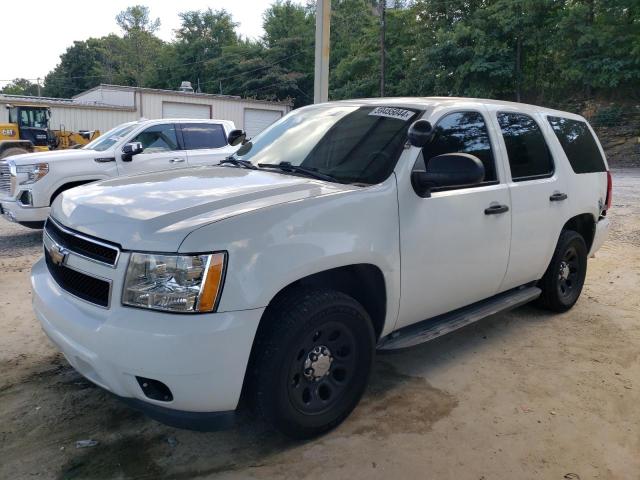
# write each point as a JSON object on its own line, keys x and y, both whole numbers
{"x": 423, "y": 102}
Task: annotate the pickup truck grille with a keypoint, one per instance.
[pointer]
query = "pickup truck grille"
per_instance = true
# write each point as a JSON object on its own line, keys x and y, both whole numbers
{"x": 82, "y": 245}
{"x": 5, "y": 179}
{"x": 83, "y": 286}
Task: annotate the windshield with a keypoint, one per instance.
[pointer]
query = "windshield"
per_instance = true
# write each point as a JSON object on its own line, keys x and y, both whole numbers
{"x": 107, "y": 140}
{"x": 33, "y": 117}
{"x": 349, "y": 143}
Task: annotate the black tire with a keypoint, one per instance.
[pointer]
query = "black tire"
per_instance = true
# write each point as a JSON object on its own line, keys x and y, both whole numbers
{"x": 311, "y": 361}
{"x": 33, "y": 225}
{"x": 10, "y": 152}
{"x": 563, "y": 281}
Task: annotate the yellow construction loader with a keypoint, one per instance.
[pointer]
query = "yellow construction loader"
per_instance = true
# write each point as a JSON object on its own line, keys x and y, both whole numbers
{"x": 28, "y": 131}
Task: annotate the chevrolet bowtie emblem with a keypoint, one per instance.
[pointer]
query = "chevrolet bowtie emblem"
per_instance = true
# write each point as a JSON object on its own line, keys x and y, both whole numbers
{"x": 58, "y": 254}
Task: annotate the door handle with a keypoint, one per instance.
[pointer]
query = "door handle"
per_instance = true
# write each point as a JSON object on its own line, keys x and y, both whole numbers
{"x": 177, "y": 160}
{"x": 496, "y": 209}
{"x": 558, "y": 197}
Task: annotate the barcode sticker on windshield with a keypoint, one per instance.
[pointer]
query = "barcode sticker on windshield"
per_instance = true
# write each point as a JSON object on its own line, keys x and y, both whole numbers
{"x": 392, "y": 112}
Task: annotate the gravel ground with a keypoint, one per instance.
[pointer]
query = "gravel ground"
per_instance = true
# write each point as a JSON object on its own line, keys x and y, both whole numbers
{"x": 520, "y": 395}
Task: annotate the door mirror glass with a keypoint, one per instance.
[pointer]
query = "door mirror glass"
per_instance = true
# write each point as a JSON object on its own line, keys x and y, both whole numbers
{"x": 236, "y": 137}
{"x": 448, "y": 170}
{"x": 131, "y": 149}
{"x": 420, "y": 133}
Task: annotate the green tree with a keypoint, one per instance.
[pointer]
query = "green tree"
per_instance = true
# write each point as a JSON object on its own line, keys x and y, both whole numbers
{"x": 141, "y": 46}
{"x": 20, "y": 86}
{"x": 200, "y": 40}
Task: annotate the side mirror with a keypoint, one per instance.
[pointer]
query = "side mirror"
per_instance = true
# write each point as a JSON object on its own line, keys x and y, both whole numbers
{"x": 448, "y": 170}
{"x": 131, "y": 149}
{"x": 236, "y": 137}
{"x": 420, "y": 133}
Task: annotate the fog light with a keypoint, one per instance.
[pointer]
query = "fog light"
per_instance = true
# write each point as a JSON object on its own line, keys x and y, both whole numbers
{"x": 26, "y": 199}
{"x": 154, "y": 389}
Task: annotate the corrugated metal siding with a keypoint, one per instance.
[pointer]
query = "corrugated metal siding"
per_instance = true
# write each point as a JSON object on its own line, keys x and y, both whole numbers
{"x": 74, "y": 119}
{"x": 107, "y": 96}
{"x": 223, "y": 109}
{"x": 148, "y": 105}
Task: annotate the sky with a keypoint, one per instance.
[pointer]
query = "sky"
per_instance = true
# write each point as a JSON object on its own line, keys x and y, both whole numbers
{"x": 37, "y": 37}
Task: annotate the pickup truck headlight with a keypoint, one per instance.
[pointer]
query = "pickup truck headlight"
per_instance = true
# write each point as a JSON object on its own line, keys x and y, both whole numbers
{"x": 28, "y": 174}
{"x": 174, "y": 283}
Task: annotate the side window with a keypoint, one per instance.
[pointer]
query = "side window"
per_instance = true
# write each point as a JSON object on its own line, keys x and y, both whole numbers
{"x": 463, "y": 132}
{"x": 203, "y": 135}
{"x": 529, "y": 155}
{"x": 158, "y": 138}
{"x": 578, "y": 144}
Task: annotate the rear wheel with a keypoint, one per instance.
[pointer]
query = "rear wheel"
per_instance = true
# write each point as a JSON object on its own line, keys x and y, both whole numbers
{"x": 312, "y": 361}
{"x": 563, "y": 281}
{"x": 9, "y": 152}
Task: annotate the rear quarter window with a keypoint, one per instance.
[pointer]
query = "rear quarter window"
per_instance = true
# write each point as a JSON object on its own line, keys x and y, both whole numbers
{"x": 578, "y": 144}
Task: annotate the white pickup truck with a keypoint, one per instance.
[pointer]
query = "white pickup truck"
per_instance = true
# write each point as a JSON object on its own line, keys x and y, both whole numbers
{"x": 343, "y": 228}
{"x": 29, "y": 183}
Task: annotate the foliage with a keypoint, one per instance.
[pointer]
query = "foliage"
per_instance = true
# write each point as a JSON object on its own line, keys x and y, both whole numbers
{"x": 20, "y": 86}
{"x": 541, "y": 51}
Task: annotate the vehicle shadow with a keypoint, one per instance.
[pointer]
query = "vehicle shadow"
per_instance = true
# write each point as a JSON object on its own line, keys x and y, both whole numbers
{"x": 17, "y": 241}
{"x": 399, "y": 399}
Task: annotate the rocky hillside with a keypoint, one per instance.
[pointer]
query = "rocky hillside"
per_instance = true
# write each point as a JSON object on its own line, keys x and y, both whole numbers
{"x": 618, "y": 128}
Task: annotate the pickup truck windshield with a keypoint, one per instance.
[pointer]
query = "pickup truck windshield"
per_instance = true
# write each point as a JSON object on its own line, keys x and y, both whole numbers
{"x": 107, "y": 140}
{"x": 349, "y": 143}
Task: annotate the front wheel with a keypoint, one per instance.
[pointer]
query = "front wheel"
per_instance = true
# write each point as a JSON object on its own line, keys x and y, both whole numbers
{"x": 312, "y": 361}
{"x": 563, "y": 281}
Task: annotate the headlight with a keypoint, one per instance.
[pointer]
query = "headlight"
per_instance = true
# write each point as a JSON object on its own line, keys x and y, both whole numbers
{"x": 174, "y": 283}
{"x": 28, "y": 174}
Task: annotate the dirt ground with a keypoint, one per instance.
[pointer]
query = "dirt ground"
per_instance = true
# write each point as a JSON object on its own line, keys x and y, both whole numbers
{"x": 521, "y": 395}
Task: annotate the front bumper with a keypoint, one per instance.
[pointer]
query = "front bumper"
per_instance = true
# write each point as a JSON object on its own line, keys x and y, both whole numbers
{"x": 600, "y": 235}
{"x": 14, "y": 211}
{"x": 202, "y": 358}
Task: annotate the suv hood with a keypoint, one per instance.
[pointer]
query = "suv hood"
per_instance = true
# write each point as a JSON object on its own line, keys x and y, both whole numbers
{"x": 54, "y": 155}
{"x": 156, "y": 211}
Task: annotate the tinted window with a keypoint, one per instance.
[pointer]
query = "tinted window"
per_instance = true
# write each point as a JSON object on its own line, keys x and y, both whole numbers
{"x": 529, "y": 155}
{"x": 353, "y": 144}
{"x": 203, "y": 135}
{"x": 463, "y": 132}
{"x": 578, "y": 144}
{"x": 110, "y": 138}
{"x": 158, "y": 138}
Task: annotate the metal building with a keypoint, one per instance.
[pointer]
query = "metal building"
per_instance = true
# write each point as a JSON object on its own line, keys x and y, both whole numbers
{"x": 105, "y": 106}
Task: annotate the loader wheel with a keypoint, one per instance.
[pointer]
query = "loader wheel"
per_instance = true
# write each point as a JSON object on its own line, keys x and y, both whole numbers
{"x": 563, "y": 281}
{"x": 9, "y": 152}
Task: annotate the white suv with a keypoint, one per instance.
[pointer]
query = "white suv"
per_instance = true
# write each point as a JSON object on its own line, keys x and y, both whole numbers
{"x": 29, "y": 183}
{"x": 343, "y": 228}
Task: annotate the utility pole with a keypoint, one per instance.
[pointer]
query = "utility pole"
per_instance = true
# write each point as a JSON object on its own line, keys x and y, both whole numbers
{"x": 38, "y": 80}
{"x": 321, "y": 73}
{"x": 383, "y": 27}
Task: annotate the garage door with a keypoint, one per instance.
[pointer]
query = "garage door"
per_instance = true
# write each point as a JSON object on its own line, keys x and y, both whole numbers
{"x": 256, "y": 120}
{"x": 185, "y": 110}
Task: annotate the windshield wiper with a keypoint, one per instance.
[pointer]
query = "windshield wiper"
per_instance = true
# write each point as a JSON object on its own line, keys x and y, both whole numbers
{"x": 239, "y": 163}
{"x": 287, "y": 167}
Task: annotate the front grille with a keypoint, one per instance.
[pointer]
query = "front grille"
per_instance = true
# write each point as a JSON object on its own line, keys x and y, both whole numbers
{"x": 5, "y": 179}
{"x": 83, "y": 286}
{"x": 82, "y": 245}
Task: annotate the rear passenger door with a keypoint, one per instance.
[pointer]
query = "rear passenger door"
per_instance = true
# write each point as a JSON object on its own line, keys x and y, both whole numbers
{"x": 206, "y": 143}
{"x": 538, "y": 195}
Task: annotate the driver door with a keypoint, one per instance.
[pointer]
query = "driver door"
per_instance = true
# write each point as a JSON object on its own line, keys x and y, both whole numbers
{"x": 161, "y": 151}
{"x": 454, "y": 248}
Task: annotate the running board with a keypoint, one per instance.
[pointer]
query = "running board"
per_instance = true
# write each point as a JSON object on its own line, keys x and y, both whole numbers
{"x": 441, "y": 325}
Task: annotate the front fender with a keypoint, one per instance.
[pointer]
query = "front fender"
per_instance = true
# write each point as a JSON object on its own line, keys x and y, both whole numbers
{"x": 273, "y": 247}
